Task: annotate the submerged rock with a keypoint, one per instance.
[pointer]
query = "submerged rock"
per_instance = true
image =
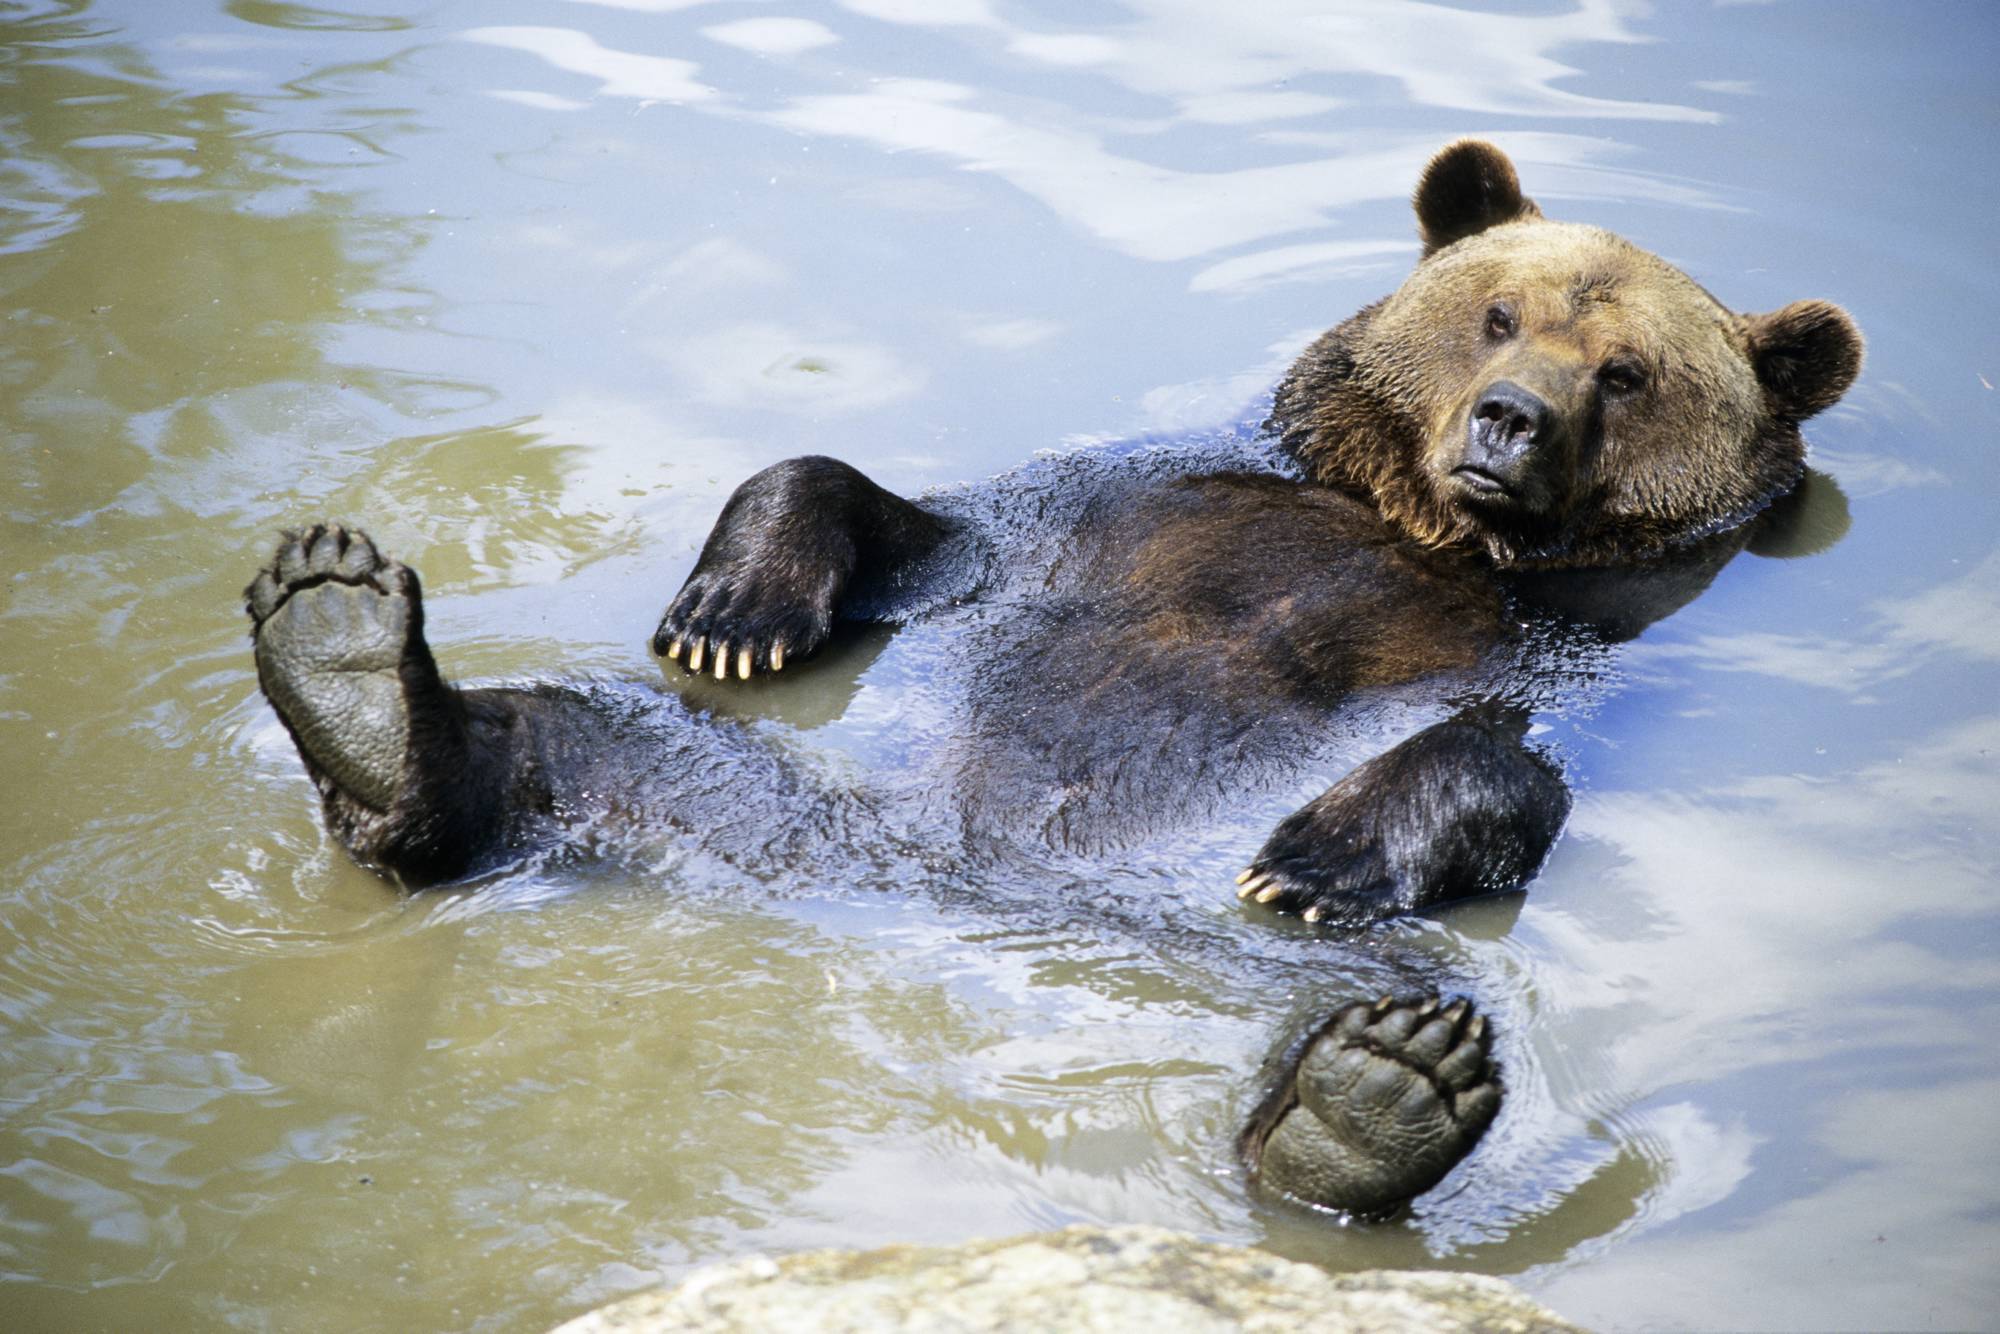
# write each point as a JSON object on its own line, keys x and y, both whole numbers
{"x": 1084, "y": 1279}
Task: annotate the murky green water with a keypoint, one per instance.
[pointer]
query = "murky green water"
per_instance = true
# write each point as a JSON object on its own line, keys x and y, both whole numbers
{"x": 527, "y": 286}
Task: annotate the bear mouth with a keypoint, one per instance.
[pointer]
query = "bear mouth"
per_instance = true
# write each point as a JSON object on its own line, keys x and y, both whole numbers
{"x": 1476, "y": 483}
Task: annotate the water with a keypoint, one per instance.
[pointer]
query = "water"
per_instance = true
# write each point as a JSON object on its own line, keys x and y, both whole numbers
{"x": 528, "y": 285}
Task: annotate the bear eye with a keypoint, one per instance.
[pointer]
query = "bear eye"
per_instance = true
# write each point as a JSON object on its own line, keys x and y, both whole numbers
{"x": 1621, "y": 377}
{"x": 1499, "y": 322}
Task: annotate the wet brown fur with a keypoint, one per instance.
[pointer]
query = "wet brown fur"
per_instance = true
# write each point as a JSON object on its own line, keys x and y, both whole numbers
{"x": 1209, "y": 624}
{"x": 1541, "y": 410}
{"x": 1212, "y": 564}
{"x": 1207, "y": 613}
{"x": 1378, "y": 407}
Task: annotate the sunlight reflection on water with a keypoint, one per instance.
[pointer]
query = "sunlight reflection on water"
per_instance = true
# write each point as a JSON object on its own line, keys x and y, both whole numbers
{"x": 529, "y": 285}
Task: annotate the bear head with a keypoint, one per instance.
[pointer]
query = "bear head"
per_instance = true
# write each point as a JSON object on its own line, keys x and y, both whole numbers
{"x": 1552, "y": 394}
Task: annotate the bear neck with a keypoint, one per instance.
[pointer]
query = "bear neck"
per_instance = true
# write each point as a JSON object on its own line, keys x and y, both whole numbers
{"x": 1346, "y": 436}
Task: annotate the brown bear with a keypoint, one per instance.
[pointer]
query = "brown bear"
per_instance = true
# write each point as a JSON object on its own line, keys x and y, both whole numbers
{"x": 1541, "y": 442}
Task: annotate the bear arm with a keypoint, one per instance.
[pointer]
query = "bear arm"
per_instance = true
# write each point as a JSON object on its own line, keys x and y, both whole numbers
{"x": 799, "y": 545}
{"x": 1458, "y": 810}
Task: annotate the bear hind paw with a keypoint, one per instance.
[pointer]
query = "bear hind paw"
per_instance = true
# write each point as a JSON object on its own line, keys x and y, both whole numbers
{"x": 1377, "y": 1106}
{"x": 338, "y": 632}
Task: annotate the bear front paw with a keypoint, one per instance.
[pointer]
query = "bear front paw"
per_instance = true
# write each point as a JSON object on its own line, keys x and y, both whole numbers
{"x": 1336, "y": 875}
{"x": 745, "y": 616}
{"x": 1457, "y": 810}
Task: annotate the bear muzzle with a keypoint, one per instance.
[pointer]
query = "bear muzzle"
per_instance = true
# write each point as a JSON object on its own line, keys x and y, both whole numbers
{"x": 1511, "y": 451}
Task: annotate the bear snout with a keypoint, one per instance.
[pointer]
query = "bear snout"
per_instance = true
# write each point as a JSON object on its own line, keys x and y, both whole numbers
{"x": 1507, "y": 454}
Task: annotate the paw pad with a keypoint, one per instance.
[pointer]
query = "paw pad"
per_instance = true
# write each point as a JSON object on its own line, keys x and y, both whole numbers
{"x": 1379, "y": 1105}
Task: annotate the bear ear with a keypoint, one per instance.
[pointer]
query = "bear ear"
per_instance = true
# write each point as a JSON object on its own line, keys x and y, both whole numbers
{"x": 1805, "y": 354}
{"x": 1468, "y": 187}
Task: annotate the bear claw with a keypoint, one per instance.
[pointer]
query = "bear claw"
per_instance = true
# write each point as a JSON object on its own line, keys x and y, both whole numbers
{"x": 1354, "y": 888}
{"x": 738, "y": 620}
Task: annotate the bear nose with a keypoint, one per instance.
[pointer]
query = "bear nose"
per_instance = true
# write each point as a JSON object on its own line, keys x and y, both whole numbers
{"x": 1507, "y": 423}
{"x": 1511, "y": 411}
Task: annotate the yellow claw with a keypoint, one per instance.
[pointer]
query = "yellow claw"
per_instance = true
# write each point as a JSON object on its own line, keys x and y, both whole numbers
{"x": 1267, "y": 894}
{"x": 674, "y": 653}
{"x": 696, "y": 654}
{"x": 1311, "y": 914}
{"x": 743, "y": 665}
{"x": 722, "y": 661}
{"x": 1248, "y": 872}
{"x": 777, "y": 657}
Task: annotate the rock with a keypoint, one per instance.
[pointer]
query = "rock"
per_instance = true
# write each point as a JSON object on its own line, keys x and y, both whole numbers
{"x": 1081, "y": 1279}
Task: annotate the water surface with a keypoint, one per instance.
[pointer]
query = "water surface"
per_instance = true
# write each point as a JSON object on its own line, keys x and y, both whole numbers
{"x": 526, "y": 286}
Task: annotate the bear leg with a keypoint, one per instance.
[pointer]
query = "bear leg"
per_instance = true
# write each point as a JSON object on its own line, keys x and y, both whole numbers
{"x": 340, "y": 652}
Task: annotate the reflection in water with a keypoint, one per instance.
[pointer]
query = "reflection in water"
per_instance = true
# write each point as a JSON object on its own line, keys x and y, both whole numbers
{"x": 620, "y": 73}
{"x": 164, "y": 319}
{"x": 772, "y": 37}
{"x": 159, "y": 352}
{"x": 1757, "y": 943}
{"x": 741, "y": 363}
{"x": 1158, "y": 212}
{"x": 1219, "y": 65}
{"x": 525, "y": 1042}
{"x": 528, "y": 299}
{"x": 1877, "y": 1139}
{"x": 183, "y": 1051}
{"x": 1955, "y": 621}
{"x": 1763, "y": 924}
{"x": 307, "y": 18}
